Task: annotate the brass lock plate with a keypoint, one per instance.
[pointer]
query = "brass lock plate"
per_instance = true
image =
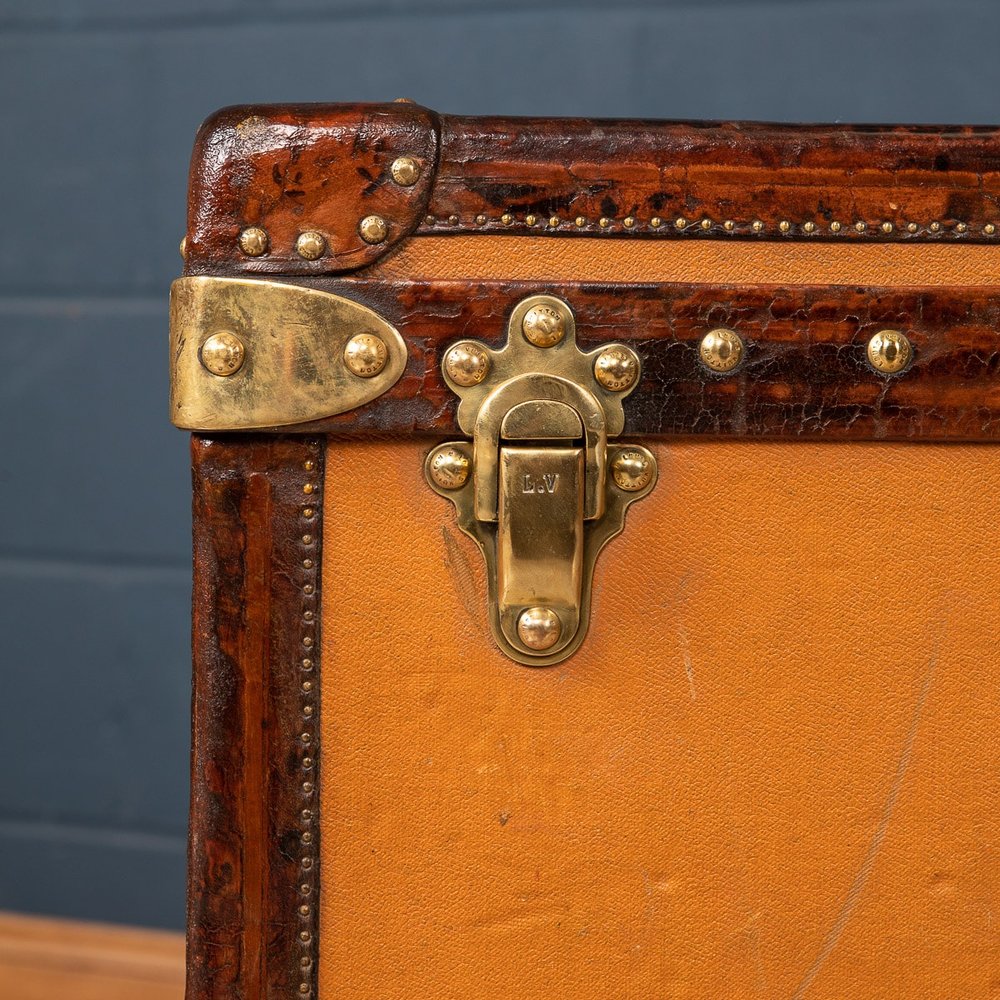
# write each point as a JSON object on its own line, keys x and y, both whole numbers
{"x": 539, "y": 487}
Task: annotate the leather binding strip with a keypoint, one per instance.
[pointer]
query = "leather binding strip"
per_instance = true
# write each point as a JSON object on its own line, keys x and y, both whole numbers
{"x": 253, "y": 851}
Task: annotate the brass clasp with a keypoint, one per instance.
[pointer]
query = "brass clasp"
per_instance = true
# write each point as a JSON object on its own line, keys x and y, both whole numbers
{"x": 533, "y": 486}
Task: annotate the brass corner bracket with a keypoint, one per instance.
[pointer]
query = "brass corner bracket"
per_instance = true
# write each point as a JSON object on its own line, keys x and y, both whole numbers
{"x": 538, "y": 487}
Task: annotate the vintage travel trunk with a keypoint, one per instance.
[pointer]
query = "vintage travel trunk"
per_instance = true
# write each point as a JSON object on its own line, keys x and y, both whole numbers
{"x": 595, "y": 557}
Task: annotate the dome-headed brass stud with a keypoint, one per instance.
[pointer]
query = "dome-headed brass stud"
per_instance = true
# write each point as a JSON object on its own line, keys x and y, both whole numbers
{"x": 223, "y": 353}
{"x": 889, "y": 351}
{"x": 365, "y": 355}
{"x": 405, "y": 171}
{"x": 835, "y": 226}
{"x": 373, "y": 229}
{"x": 616, "y": 368}
{"x": 632, "y": 470}
{"x": 757, "y": 226}
{"x": 721, "y": 349}
{"x": 183, "y": 248}
{"x": 310, "y": 245}
{"x": 449, "y": 467}
{"x": 467, "y": 364}
{"x": 544, "y": 325}
{"x": 539, "y": 628}
{"x": 253, "y": 241}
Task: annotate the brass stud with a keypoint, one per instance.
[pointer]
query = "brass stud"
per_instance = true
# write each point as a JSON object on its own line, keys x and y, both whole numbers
{"x": 680, "y": 222}
{"x": 307, "y": 641}
{"x": 989, "y": 229}
{"x": 554, "y": 221}
{"x": 809, "y": 227}
{"x": 365, "y": 355}
{"x": 911, "y": 227}
{"x": 530, "y": 219}
{"x": 935, "y": 227}
{"x": 729, "y": 225}
{"x": 307, "y": 664}
{"x": 887, "y": 227}
{"x": 721, "y": 349}
{"x": 373, "y": 229}
{"x": 507, "y": 219}
{"x": 632, "y": 470}
{"x": 309, "y": 464}
{"x": 449, "y": 467}
{"x": 305, "y": 911}
{"x": 604, "y": 222}
{"x": 757, "y": 226}
{"x": 308, "y": 488}
{"x": 467, "y": 364}
{"x": 706, "y": 224}
{"x": 889, "y": 351}
{"x": 580, "y": 221}
{"x": 253, "y": 241}
{"x": 543, "y": 325}
{"x": 784, "y": 226}
{"x": 860, "y": 226}
{"x": 223, "y": 353}
{"x": 405, "y": 171}
{"x": 303, "y": 987}
{"x": 307, "y": 787}
{"x": 835, "y": 227}
{"x": 539, "y": 628}
{"x": 183, "y": 248}
{"x": 308, "y": 589}
{"x": 310, "y": 245}
{"x": 961, "y": 227}
{"x": 307, "y": 763}
{"x": 656, "y": 222}
{"x": 307, "y": 711}
{"x": 452, "y": 220}
{"x": 429, "y": 220}
{"x": 480, "y": 220}
{"x": 616, "y": 368}
{"x": 308, "y": 512}
{"x": 307, "y": 686}
{"x": 629, "y": 221}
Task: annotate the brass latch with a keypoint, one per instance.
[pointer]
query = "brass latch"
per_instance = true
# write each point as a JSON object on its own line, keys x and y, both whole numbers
{"x": 538, "y": 487}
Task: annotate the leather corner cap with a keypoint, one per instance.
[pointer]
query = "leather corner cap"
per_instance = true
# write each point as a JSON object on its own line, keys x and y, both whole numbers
{"x": 294, "y": 169}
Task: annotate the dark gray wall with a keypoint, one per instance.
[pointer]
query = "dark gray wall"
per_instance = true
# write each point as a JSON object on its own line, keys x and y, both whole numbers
{"x": 101, "y": 100}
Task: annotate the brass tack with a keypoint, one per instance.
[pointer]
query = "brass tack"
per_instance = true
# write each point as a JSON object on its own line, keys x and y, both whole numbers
{"x": 784, "y": 225}
{"x": 480, "y": 220}
{"x": 604, "y": 222}
{"x": 307, "y": 539}
{"x": 656, "y": 222}
{"x": 373, "y": 229}
{"x": 453, "y": 220}
{"x": 309, "y": 465}
{"x": 887, "y": 227}
{"x": 305, "y": 937}
{"x": 308, "y": 615}
{"x": 835, "y": 227}
{"x": 629, "y": 221}
{"x": 307, "y": 814}
{"x": 554, "y": 221}
{"x": 580, "y": 221}
{"x": 307, "y": 642}
{"x": 935, "y": 227}
{"x": 307, "y": 711}
{"x": 307, "y": 862}
{"x": 809, "y": 227}
{"x": 706, "y": 224}
{"x": 307, "y": 686}
{"x": 429, "y": 220}
{"x": 307, "y": 787}
{"x": 530, "y": 219}
{"x": 757, "y": 226}
{"x": 307, "y": 563}
{"x": 307, "y": 837}
{"x": 310, "y": 245}
{"x": 308, "y": 588}
{"x": 405, "y": 170}
{"x": 911, "y": 227}
{"x": 307, "y": 664}
{"x": 308, "y": 488}
{"x": 680, "y": 222}
{"x": 305, "y": 888}
{"x": 989, "y": 229}
{"x": 507, "y": 219}
{"x": 307, "y": 512}
{"x": 253, "y": 241}
{"x": 304, "y": 910}
{"x": 860, "y": 226}
{"x": 304, "y": 987}
{"x": 305, "y": 961}
{"x": 961, "y": 227}
{"x": 729, "y": 225}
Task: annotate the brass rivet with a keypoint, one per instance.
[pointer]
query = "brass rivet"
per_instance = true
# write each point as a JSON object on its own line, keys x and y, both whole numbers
{"x": 405, "y": 170}
{"x": 680, "y": 222}
{"x": 307, "y": 512}
{"x": 453, "y": 220}
{"x": 449, "y": 468}
{"x": 721, "y": 349}
{"x": 308, "y": 588}
{"x": 580, "y": 221}
{"x": 373, "y": 229}
{"x": 253, "y": 241}
{"x": 961, "y": 227}
{"x": 911, "y": 227}
{"x": 632, "y": 470}
{"x": 729, "y": 225}
{"x": 310, "y": 245}
{"x": 784, "y": 225}
{"x": 304, "y": 910}
{"x": 307, "y": 763}
{"x": 184, "y": 247}
{"x": 706, "y": 224}
{"x": 860, "y": 226}
{"x": 429, "y": 220}
{"x": 656, "y": 222}
{"x": 223, "y": 353}
{"x": 305, "y": 936}
{"x": 307, "y": 862}
{"x": 809, "y": 227}
{"x": 889, "y": 351}
{"x": 308, "y": 488}
{"x": 307, "y": 838}
{"x": 303, "y": 987}
{"x": 307, "y": 664}
{"x": 543, "y": 325}
{"x": 480, "y": 220}
{"x": 307, "y": 711}
{"x": 307, "y": 787}
{"x": 307, "y": 686}
{"x": 507, "y": 219}
{"x": 935, "y": 227}
{"x": 629, "y": 221}
{"x": 604, "y": 222}
{"x": 757, "y": 226}
{"x": 365, "y": 355}
{"x": 989, "y": 229}
{"x": 554, "y": 221}
{"x": 530, "y": 219}
{"x": 887, "y": 227}
{"x": 539, "y": 628}
{"x": 616, "y": 368}
{"x": 307, "y": 539}
{"x": 307, "y": 641}
{"x": 309, "y": 464}
{"x": 835, "y": 227}
{"x": 467, "y": 364}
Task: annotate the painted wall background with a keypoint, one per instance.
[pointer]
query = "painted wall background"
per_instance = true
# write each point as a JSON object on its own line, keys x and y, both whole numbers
{"x": 101, "y": 99}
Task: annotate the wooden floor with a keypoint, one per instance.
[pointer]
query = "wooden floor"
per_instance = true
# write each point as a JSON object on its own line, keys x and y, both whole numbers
{"x": 47, "y": 959}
